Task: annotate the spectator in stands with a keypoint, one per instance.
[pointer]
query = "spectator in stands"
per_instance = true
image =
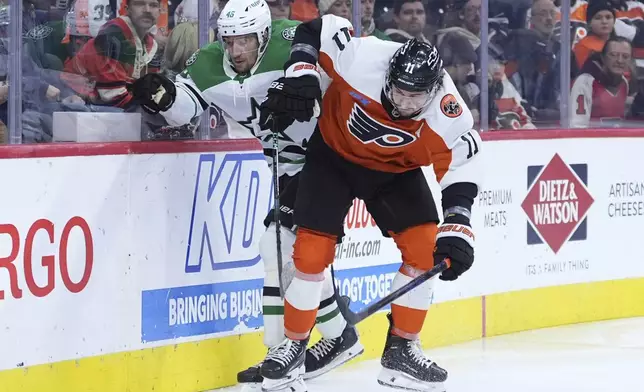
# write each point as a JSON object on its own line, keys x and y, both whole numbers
{"x": 462, "y": 16}
{"x": 468, "y": 16}
{"x": 544, "y": 14}
{"x": 410, "y": 20}
{"x": 600, "y": 18}
{"x": 471, "y": 17}
{"x": 506, "y": 108}
{"x": 42, "y": 92}
{"x": 50, "y": 45}
{"x": 280, "y": 9}
{"x": 340, "y": 8}
{"x": 119, "y": 54}
{"x": 188, "y": 11}
{"x": 533, "y": 63}
{"x": 599, "y": 93}
{"x": 343, "y": 8}
{"x": 459, "y": 58}
{"x": 182, "y": 43}
{"x": 368, "y": 23}
{"x": 304, "y": 10}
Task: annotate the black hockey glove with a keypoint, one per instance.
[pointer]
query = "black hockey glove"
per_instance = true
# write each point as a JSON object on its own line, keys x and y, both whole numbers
{"x": 154, "y": 92}
{"x": 296, "y": 95}
{"x": 455, "y": 240}
{"x": 274, "y": 122}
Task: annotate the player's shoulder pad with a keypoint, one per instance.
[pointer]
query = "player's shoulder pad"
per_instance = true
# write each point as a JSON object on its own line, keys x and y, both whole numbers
{"x": 376, "y": 50}
{"x": 390, "y": 47}
{"x": 209, "y": 53}
{"x": 447, "y": 114}
{"x": 332, "y": 24}
{"x": 206, "y": 66}
{"x": 284, "y": 29}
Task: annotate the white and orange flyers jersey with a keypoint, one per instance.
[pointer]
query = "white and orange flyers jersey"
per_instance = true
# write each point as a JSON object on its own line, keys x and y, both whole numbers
{"x": 88, "y": 16}
{"x": 355, "y": 124}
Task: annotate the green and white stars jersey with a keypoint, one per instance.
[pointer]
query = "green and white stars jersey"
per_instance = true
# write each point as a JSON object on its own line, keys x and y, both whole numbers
{"x": 209, "y": 81}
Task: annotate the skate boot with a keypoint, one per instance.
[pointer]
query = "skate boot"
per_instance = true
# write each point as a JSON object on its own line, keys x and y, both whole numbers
{"x": 328, "y": 354}
{"x": 284, "y": 366}
{"x": 405, "y": 366}
{"x": 251, "y": 379}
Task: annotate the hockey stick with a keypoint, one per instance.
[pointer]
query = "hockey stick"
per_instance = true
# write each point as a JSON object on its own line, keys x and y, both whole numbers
{"x": 354, "y": 318}
{"x": 276, "y": 203}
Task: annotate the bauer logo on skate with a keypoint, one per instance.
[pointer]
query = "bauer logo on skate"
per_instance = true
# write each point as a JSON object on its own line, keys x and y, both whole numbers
{"x": 557, "y": 203}
{"x": 230, "y": 307}
{"x": 227, "y": 206}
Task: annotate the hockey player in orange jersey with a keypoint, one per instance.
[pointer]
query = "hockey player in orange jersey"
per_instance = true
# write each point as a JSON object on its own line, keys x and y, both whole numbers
{"x": 389, "y": 110}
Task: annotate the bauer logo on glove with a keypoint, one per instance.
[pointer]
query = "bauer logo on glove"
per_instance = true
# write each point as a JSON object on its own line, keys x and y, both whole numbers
{"x": 455, "y": 229}
{"x": 276, "y": 85}
{"x": 455, "y": 240}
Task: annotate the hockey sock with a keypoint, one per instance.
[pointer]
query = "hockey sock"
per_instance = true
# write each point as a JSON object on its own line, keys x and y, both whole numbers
{"x": 313, "y": 252}
{"x": 416, "y": 244}
{"x": 409, "y": 311}
{"x": 273, "y": 310}
{"x": 273, "y": 305}
{"x": 329, "y": 320}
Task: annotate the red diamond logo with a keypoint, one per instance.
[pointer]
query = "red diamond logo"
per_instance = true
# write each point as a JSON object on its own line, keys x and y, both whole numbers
{"x": 556, "y": 203}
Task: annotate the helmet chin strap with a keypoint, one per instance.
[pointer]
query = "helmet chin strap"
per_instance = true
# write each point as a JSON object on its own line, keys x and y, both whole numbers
{"x": 392, "y": 110}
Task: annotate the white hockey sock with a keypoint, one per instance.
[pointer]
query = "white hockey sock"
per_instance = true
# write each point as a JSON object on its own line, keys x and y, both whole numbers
{"x": 329, "y": 320}
{"x": 273, "y": 304}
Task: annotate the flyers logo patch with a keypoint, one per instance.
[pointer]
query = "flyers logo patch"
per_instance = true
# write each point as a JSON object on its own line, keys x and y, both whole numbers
{"x": 450, "y": 106}
{"x": 368, "y": 130}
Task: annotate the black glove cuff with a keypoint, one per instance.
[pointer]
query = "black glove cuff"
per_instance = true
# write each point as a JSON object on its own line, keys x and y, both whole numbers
{"x": 459, "y": 215}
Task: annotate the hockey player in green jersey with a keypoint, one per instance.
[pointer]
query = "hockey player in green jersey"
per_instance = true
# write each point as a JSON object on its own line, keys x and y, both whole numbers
{"x": 233, "y": 75}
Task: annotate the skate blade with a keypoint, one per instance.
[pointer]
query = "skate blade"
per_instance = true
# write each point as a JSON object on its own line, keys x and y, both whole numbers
{"x": 251, "y": 387}
{"x": 399, "y": 380}
{"x": 292, "y": 380}
{"x": 354, "y": 351}
{"x": 296, "y": 385}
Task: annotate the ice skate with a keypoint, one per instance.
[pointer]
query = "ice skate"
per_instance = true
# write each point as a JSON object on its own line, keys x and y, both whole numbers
{"x": 284, "y": 366}
{"x": 405, "y": 366}
{"x": 251, "y": 379}
{"x": 327, "y": 354}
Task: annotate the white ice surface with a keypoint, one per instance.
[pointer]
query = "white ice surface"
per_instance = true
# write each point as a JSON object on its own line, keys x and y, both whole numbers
{"x": 603, "y": 356}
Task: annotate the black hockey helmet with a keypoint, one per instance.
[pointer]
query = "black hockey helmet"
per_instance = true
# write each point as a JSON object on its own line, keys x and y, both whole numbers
{"x": 416, "y": 66}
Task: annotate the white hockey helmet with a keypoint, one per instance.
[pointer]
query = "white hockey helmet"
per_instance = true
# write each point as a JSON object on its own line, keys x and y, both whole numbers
{"x": 241, "y": 17}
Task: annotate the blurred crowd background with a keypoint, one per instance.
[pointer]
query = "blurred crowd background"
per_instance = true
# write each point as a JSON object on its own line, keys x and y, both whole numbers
{"x": 520, "y": 64}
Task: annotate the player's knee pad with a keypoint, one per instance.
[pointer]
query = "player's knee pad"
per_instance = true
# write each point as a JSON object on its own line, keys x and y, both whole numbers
{"x": 313, "y": 251}
{"x": 416, "y": 244}
{"x": 268, "y": 252}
